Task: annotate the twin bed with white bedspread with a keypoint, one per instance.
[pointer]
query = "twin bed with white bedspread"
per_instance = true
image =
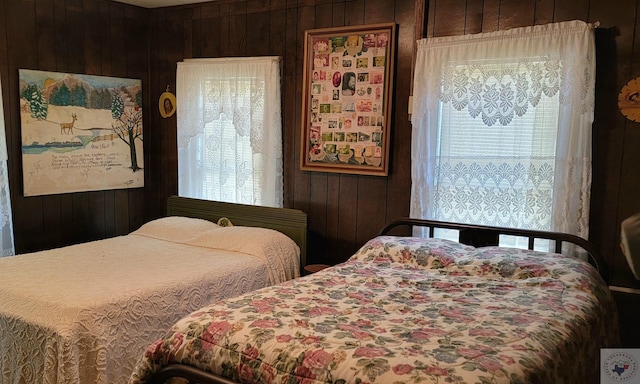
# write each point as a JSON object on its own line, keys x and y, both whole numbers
{"x": 84, "y": 313}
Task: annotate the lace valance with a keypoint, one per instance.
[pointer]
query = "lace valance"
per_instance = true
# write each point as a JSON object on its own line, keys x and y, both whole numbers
{"x": 498, "y": 93}
{"x": 495, "y": 77}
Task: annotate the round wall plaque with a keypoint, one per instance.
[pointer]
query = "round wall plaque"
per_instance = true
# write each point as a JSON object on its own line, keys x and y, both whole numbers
{"x": 629, "y": 100}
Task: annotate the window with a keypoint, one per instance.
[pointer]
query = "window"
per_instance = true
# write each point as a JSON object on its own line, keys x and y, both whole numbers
{"x": 6, "y": 221}
{"x": 230, "y": 130}
{"x": 502, "y": 128}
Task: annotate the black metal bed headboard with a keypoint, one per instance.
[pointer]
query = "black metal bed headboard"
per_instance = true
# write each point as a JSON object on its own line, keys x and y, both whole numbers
{"x": 483, "y": 235}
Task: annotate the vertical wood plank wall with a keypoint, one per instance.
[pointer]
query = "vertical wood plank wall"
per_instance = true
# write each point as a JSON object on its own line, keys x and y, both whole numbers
{"x": 77, "y": 36}
{"x": 107, "y": 38}
{"x": 344, "y": 210}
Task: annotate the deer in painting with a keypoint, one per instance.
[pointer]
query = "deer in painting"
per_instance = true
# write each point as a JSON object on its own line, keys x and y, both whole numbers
{"x": 68, "y": 127}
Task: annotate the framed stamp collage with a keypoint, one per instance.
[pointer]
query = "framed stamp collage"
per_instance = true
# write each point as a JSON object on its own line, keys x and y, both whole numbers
{"x": 347, "y": 89}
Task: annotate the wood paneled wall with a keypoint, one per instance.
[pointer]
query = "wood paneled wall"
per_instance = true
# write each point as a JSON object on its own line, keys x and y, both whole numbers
{"x": 76, "y": 36}
{"x": 344, "y": 210}
{"x": 107, "y": 38}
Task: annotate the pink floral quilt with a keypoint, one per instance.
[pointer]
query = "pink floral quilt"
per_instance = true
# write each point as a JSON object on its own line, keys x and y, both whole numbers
{"x": 407, "y": 310}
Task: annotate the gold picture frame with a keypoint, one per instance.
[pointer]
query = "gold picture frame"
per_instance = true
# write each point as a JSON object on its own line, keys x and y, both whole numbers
{"x": 167, "y": 104}
{"x": 347, "y": 89}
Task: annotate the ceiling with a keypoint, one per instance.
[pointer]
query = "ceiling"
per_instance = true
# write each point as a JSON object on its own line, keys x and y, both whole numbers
{"x": 159, "y": 3}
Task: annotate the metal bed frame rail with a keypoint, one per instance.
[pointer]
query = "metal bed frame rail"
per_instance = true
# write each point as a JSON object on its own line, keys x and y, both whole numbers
{"x": 483, "y": 235}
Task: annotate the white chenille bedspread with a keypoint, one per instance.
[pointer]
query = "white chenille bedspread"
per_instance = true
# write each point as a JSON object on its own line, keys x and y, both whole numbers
{"x": 85, "y": 313}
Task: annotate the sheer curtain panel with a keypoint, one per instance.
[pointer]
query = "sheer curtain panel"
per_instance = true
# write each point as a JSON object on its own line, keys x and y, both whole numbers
{"x": 6, "y": 221}
{"x": 502, "y": 128}
{"x": 230, "y": 130}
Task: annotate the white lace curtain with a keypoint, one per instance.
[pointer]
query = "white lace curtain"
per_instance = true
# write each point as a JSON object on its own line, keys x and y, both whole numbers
{"x": 6, "y": 223}
{"x": 230, "y": 130}
{"x": 502, "y": 128}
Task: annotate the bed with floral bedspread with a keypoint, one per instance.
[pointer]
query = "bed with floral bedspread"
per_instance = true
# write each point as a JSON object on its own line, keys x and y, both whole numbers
{"x": 406, "y": 310}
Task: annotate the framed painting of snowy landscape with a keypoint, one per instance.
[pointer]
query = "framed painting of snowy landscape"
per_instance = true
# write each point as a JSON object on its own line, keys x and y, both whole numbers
{"x": 80, "y": 132}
